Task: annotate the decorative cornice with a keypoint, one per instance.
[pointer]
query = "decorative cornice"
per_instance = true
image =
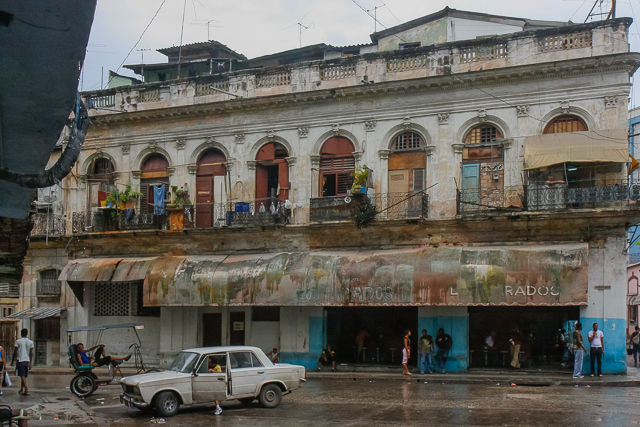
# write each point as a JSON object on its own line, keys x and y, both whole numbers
{"x": 627, "y": 62}
{"x": 429, "y": 149}
{"x": 271, "y": 135}
{"x": 370, "y": 125}
{"x": 153, "y": 146}
{"x": 171, "y": 170}
{"x": 443, "y": 118}
{"x": 136, "y": 174}
{"x": 291, "y": 161}
{"x": 564, "y": 106}
{"x": 126, "y": 149}
{"x": 251, "y": 164}
{"x": 181, "y": 144}
{"x": 357, "y": 155}
{"x": 315, "y": 160}
{"x": 239, "y": 138}
{"x": 457, "y": 148}
{"x": 406, "y": 122}
{"x": 335, "y": 128}
{"x": 384, "y": 154}
{"x": 303, "y": 131}
{"x": 482, "y": 115}
{"x": 506, "y": 143}
{"x": 192, "y": 169}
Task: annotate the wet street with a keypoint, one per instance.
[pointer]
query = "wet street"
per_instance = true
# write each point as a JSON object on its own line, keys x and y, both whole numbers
{"x": 324, "y": 402}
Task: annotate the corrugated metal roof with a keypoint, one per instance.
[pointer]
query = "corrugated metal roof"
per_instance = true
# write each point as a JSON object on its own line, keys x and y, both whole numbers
{"x": 36, "y": 313}
{"x": 106, "y": 269}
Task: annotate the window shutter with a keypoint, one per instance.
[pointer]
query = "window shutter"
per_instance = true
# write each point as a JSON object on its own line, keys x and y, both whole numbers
{"x": 418, "y": 180}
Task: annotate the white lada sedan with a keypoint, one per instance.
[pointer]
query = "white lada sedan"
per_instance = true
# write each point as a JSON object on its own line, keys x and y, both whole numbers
{"x": 204, "y": 375}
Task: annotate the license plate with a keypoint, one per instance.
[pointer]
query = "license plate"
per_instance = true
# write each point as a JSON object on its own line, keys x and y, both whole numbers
{"x": 127, "y": 403}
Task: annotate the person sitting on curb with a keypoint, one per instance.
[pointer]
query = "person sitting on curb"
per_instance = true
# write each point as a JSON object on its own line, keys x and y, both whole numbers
{"x": 327, "y": 358}
{"x": 100, "y": 357}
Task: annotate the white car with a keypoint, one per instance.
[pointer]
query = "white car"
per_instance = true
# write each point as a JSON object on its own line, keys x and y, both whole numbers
{"x": 204, "y": 375}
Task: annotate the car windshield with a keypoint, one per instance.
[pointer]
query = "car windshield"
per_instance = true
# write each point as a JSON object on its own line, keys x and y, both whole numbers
{"x": 184, "y": 362}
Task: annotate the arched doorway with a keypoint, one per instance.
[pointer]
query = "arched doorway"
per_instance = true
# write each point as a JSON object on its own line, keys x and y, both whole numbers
{"x": 272, "y": 174}
{"x": 211, "y": 186}
{"x": 155, "y": 172}
{"x": 101, "y": 180}
{"x": 336, "y": 166}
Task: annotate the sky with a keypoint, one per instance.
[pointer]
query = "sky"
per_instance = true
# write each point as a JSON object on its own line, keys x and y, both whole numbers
{"x": 260, "y": 27}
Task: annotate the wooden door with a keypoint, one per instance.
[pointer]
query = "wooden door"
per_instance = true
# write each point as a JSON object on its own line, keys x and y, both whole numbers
{"x": 470, "y": 183}
{"x": 236, "y": 328}
{"x": 283, "y": 180}
{"x": 204, "y": 201}
{"x": 211, "y": 329}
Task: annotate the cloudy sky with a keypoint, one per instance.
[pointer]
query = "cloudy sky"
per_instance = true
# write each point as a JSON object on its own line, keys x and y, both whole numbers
{"x": 260, "y": 27}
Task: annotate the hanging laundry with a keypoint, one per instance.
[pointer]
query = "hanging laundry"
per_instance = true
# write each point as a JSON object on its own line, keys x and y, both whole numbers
{"x": 158, "y": 199}
{"x": 221, "y": 64}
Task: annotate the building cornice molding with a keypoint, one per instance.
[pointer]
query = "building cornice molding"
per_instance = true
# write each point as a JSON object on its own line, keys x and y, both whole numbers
{"x": 627, "y": 62}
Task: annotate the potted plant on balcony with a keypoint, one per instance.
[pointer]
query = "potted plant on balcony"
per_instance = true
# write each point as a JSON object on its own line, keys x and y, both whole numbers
{"x": 360, "y": 179}
{"x": 176, "y": 209}
{"x": 131, "y": 197}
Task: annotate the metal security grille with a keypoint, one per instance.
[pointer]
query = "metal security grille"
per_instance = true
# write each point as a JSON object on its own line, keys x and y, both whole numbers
{"x": 49, "y": 283}
{"x": 482, "y": 135}
{"x": 112, "y": 299}
{"x": 407, "y": 141}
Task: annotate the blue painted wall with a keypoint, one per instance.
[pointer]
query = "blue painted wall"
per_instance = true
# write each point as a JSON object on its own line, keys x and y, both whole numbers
{"x": 316, "y": 336}
{"x": 455, "y": 325}
{"x": 614, "y": 360}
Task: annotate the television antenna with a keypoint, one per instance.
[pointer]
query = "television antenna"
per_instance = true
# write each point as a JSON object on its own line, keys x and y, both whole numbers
{"x": 207, "y": 23}
{"x": 142, "y": 61}
{"x": 301, "y": 28}
{"x": 600, "y": 9}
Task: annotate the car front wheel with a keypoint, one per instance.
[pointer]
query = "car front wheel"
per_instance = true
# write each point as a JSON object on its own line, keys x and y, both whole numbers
{"x": 270, "y": 396}
{"x": 167, "y": 404}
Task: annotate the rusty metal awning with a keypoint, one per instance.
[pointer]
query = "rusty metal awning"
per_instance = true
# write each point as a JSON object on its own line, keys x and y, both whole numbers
{"x": 552, "y": 275}
{"x": 36, "y": 313}
{"x": 106, "y": 269}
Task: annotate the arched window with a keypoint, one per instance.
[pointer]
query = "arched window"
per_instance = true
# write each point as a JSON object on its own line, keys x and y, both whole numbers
{"x": 211, "y": 186}
{"x": 566, "y": 123}
{"x": 482, "y": 134}
{"x": 101, "y": 180}
{"x": 408, "y": 141}
{"x": 407, "y": 164}
{"x": 272, "y": 173}
{"x": 154, "y": 173}
{"x": 336, "y": 166}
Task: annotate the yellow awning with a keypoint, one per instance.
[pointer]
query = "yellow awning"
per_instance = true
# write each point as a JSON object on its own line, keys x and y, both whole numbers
{"x": 610, "y": 145}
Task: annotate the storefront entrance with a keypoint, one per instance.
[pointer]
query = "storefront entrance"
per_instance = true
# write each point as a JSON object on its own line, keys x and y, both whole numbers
{"x": 380, "y": 328}
{"x": 539, "y": 327}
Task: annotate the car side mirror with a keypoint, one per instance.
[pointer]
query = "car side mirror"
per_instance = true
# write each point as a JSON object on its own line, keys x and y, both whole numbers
{"x": 194, "y": 373}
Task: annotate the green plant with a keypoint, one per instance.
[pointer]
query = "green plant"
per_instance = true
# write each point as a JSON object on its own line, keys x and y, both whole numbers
{"x": 131, "y": 194}
{"x": 360, "y": 177}
{"x": 181, "y": 199}
{"x": 365, "y": 214}
{"x": 116, "y": 197}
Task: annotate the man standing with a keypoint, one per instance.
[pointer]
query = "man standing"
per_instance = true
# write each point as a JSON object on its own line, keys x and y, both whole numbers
{"x": 635, "y": 341}
{"x": 425, "y": 348}
{"x": 578, "y": 351}
{"x": 490, "y": 348}
{"x": 444, "y": 344}
{"x": 515, "y": 341}
{"x": 406, "y": 352}
{"x": 24, "y": 352}
{"x": 596, "y": 339}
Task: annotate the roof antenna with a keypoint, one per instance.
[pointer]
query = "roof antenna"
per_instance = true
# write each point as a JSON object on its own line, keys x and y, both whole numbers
{"x": 300, "y": 28}
{"x": 609, "y": 10}
{"x": 142, "y": 61}
{"x": 207, "y": 23}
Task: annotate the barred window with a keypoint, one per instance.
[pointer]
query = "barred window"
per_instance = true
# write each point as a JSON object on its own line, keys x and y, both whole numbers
{"x": 407, "y": 141}
{"x": 112, "y": 299}
{"x": 482, "y": 134}
{"x": 49, "y": 283}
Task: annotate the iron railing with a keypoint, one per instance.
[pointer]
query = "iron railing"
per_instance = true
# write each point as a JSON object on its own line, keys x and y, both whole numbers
{"x": 389, "y": 206}
{"x": 547, "y": 197}
{"x": 261, "y": 213}
{"x": 48, "y": 224}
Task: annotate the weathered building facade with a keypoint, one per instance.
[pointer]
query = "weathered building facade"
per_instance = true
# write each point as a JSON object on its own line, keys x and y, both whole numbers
{"x": 498, "y": 174}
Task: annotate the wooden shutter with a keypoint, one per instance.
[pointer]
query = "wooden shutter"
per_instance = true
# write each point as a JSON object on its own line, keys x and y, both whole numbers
{"x": 418, "y": 180}
{"x": 283, "y": 180}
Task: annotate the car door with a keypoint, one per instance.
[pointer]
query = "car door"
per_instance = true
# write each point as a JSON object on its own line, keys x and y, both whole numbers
{"x": 207, "y": 383}
{"x": 246, "y": 373}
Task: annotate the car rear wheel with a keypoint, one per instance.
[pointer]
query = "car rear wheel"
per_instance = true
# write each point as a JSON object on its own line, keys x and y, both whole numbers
{"x": 167, "y": 404}
{"x": 247, "y": 400}
{"x": 270, "y": 396}
{"x": 83, "y": 385}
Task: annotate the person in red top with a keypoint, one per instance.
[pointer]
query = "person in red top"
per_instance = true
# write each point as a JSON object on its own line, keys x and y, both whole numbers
{"x": 515, "y": 340}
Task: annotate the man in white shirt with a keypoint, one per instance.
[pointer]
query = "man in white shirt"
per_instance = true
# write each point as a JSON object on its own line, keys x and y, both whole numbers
{"x": 490, "y": 347}
{"x": 24, "y": 353}
{"x": 596, "y": 339}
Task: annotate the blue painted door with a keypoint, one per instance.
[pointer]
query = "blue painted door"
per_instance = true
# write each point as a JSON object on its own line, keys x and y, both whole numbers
{"x": 470, "y": 183}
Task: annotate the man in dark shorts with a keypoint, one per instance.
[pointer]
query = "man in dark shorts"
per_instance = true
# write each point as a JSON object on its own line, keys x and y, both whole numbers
{"x": 24, "y": 353}
{"x": 327, "y": 358}
{"x": 100, "y": 358}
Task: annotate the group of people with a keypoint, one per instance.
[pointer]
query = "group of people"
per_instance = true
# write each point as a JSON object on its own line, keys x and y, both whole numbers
{"x": 426, "y": 349}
